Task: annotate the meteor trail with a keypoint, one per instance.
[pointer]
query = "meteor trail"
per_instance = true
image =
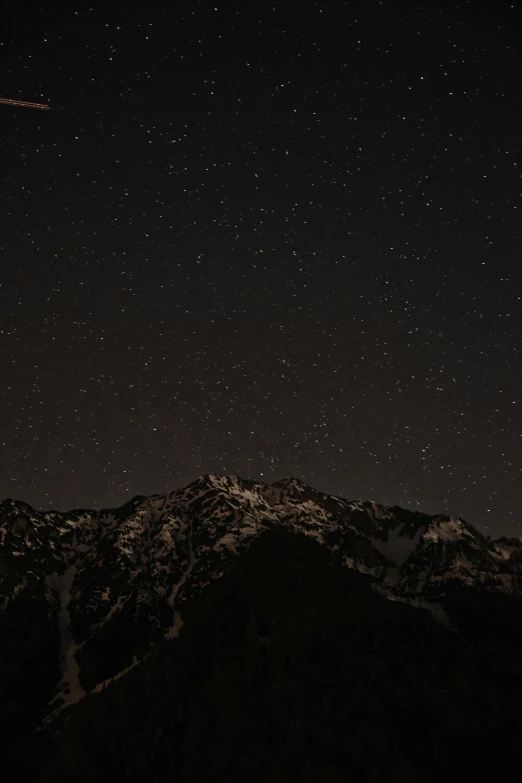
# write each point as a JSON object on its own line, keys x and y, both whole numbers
{"x": 30, "y": 104}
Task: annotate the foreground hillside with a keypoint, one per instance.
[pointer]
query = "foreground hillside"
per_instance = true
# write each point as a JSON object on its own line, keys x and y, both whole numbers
{"x": 291, "y": 668}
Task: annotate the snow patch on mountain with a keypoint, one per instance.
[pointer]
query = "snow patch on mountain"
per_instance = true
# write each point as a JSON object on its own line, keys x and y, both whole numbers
{"x": 70, "y": 689}
{"x": 446, "y": 529}
{"x": 177, "y": 621}
{"x": 229, "y": 541}
{"x": 105, "y": 683}
{"x": 506, "y": 550}
{"x": 397, "y": 546}
{"x": 438, "y": 613}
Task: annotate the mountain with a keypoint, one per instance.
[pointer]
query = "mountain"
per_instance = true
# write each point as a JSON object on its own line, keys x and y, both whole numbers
{"x": 91, "y": 601}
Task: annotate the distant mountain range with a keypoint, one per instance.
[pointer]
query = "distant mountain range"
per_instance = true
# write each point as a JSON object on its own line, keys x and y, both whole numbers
{"x": 86, "y": 596}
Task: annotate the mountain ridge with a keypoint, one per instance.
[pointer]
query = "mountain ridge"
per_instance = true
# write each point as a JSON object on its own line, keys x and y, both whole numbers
{"x": 109, "y": 583}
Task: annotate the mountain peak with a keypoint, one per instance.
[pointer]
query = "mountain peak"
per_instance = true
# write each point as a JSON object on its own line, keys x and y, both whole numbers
{"x": 18, "y": 504}
{"x": 292, "y": 481}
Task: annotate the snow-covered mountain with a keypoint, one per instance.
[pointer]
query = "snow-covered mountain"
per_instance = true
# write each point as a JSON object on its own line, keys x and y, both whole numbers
{"x": 107, "y": 584}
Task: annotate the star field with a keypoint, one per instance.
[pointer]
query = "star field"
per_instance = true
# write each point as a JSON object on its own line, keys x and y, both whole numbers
{"x": 265, "y": 239}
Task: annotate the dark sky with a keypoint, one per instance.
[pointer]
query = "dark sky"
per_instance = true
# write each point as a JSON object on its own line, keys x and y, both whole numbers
{"x": 268, "y": 239}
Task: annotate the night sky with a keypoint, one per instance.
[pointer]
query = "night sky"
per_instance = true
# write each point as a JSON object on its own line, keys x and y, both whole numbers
{"x": 263, "y": 238}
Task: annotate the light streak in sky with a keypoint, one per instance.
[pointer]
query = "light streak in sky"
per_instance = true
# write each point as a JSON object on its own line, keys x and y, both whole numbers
{"x": 30, "y": 104}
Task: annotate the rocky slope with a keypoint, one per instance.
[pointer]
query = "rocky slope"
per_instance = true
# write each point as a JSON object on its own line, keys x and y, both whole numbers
{"x": 103, "y": 586}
